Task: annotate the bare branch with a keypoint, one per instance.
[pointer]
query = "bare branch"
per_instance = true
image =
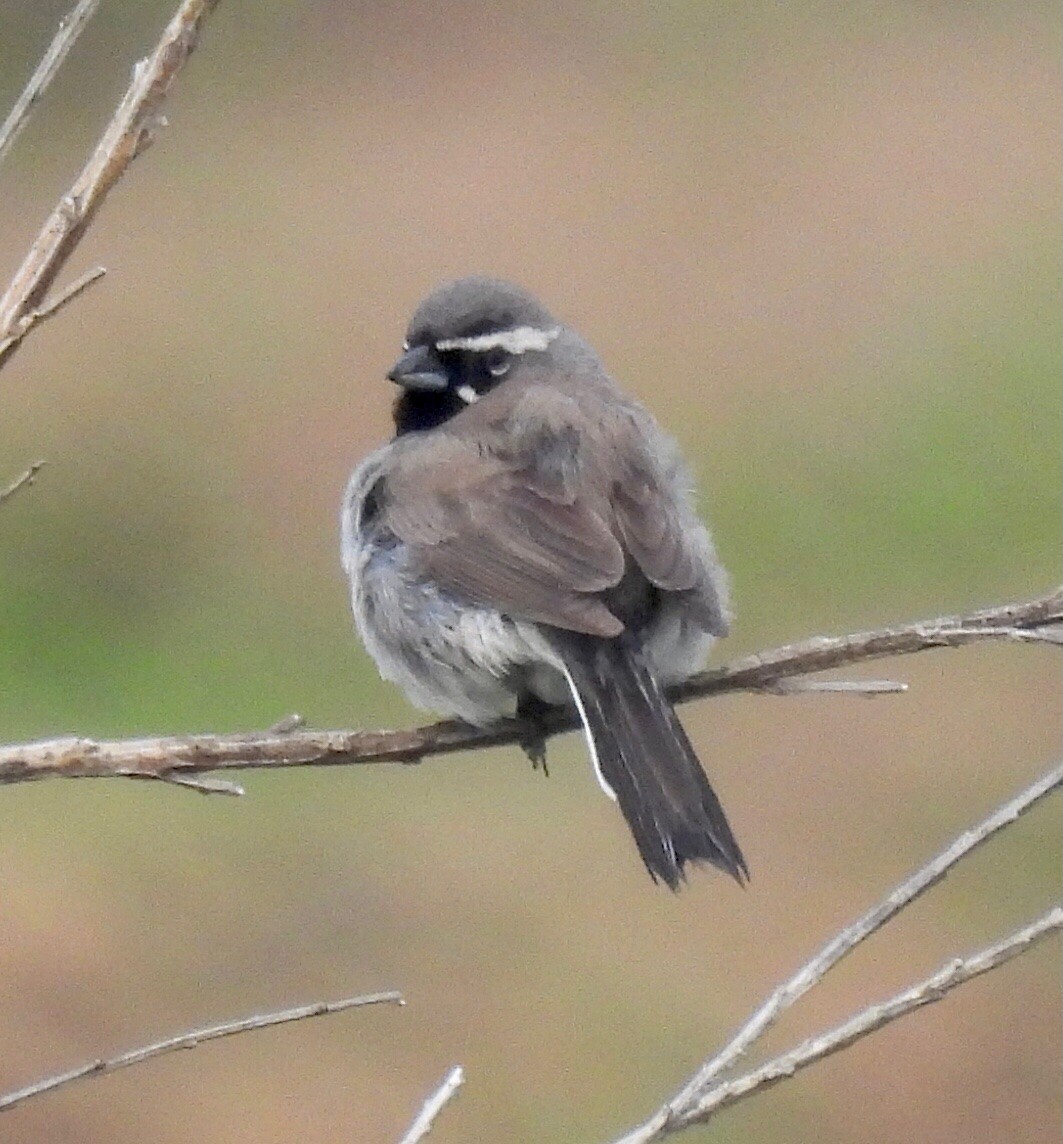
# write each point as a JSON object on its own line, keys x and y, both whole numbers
{"x": 130, "y": 131}
{"x": 677, "y": 1112}
{"x": 70, "y": 27}
{"x": 875, "y": 1017}
{"x": 192, "y": 1040}
{"x": 21, "y": 482}
{"x": 162, "y": 758}
{"x": 434, "y": 1105}
{"x": 756, "y": 672}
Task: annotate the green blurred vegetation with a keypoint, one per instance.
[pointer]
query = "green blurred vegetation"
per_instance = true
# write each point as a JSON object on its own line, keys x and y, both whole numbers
{"x": 939, "y": 489}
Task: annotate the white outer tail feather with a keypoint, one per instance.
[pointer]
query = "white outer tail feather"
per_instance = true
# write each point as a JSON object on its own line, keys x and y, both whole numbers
{"x": 591, "y": 746}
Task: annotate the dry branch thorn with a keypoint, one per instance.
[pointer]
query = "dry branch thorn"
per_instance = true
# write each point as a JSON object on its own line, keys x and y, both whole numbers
{"x": 148, "y": 131}
{"x": 434, "y": 1105}
{"x": 288, "y": 725}
{"x": 203, "y": 785}
{"x": 68, "y": 210}
{"x": 21, "y": 482}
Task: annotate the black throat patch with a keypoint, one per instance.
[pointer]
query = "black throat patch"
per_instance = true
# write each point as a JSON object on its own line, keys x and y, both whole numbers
{"x": 415, "y": 411}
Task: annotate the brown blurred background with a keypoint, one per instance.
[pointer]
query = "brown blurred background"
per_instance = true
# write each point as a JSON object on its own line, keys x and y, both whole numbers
{"x": 822, "y": 242}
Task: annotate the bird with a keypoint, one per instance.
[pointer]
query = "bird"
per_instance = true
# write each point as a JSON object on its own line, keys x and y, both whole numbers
{"x": 528, "y": 540}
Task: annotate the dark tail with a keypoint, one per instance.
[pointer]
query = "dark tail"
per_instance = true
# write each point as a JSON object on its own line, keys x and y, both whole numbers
{"x": 644, "y": 757}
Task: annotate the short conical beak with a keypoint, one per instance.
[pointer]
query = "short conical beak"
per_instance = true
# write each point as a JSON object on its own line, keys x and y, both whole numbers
{"x": 419, "y": 368}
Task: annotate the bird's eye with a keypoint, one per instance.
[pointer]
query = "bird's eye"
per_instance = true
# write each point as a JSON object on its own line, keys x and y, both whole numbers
{"x": 498, "y": 362}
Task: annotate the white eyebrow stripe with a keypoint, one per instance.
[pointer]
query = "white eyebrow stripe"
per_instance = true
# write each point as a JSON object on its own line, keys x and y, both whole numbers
{"x": 516, "y": 341}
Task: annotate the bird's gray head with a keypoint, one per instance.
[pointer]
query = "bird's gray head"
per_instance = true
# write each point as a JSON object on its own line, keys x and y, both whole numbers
{"x": 464, "y": 339}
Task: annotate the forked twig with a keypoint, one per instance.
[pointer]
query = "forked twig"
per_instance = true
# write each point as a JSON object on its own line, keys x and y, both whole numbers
{"x": 34, "y": 318}
{"x": 699, "y": 1092}
{"x": 130, "y": 131}
{"x": 933, "y": 988}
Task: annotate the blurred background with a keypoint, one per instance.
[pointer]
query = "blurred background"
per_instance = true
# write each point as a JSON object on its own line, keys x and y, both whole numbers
{"x": 822, "y": 242}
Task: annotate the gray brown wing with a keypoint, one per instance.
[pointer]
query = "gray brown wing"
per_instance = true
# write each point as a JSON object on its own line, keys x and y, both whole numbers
{"x": 486, "y": 534}
{"x": 538, "y": 525}
{"x": 648, "y": 494}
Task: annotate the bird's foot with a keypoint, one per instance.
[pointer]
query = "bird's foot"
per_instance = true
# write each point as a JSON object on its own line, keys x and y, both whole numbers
{"x": 531, "y": 709}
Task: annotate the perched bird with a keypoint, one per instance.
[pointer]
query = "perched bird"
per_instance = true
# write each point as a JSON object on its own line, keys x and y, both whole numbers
{"x": 528, "y": 539}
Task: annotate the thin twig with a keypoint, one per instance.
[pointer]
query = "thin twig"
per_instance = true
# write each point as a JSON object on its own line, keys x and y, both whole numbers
{"x": 1025, "y": 635}
{"x": 674, "y": 1113}
{"x": 130, "y": 131}
{"x": 70, "y": 27}
{"x": 192, "y": 1040}
{"x": 822, "y": 654}
{"x": 434, "y": 1105}
{"x": 931, "y": 989}
{"x": 161, "y": 758}
{"x": 204, "y": 785}
{"x": 35, "y": 317}
{"x": 21, "y": 482}
{"x": 868, "y": 687}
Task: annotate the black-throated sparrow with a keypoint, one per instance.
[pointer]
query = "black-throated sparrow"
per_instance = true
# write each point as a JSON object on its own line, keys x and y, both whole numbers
{"x": 529, "y": 537}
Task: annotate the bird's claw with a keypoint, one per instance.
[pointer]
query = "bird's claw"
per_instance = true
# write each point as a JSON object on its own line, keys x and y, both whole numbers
{"x": 534, "y": 746}
{"x": 531, "y": 710}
